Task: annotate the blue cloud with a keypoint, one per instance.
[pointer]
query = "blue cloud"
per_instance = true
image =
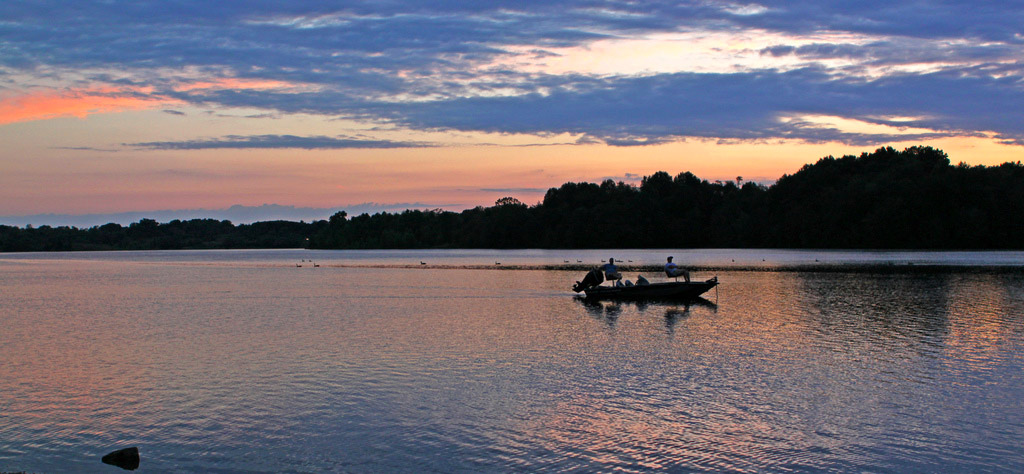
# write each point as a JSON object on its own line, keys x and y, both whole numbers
{"x": 418, "y": 64}
{"x": 649, "y": 110}
{"x": 83, "y": 148}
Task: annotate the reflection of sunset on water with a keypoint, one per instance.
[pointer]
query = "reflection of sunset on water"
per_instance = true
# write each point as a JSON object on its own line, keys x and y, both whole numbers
{"x": 980, "y": 331}
{"x": 240, "y": 360}
{"x": 633, "y": 435}
{"x": 71, "y": 384}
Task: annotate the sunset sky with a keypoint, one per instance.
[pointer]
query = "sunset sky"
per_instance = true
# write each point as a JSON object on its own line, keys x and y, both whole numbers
{"x": 138, "y": 106}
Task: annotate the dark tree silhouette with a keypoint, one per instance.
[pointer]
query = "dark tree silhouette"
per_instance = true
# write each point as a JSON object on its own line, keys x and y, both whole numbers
{"x": 910, "y": 199}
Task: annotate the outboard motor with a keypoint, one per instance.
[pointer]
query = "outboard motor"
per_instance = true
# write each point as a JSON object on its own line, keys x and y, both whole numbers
{"x": 593, "y": 278}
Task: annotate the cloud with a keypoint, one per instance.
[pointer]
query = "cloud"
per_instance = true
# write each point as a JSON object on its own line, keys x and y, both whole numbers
{"x": 74, "y": 102}
{"x": 82, "y": 148}
{"x": 895, "y": 52}
{"x": 450, "y": 65}
{"x": 638, "y": 141}
{"x": 635, "y": 111}
{"x": 629, "y": 178}
{"x": 279, "y": 141}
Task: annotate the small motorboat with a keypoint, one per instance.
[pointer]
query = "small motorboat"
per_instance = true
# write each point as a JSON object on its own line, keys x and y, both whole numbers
{"x": 676, "y": 290}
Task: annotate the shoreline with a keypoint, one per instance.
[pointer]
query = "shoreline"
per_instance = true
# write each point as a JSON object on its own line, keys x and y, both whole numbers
{"x": 807, "y": 268}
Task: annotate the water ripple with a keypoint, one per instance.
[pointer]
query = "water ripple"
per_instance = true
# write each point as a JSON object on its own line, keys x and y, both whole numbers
{"x": 213, "y": 369}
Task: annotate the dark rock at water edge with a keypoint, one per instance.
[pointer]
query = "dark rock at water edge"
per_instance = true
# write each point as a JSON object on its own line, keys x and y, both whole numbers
{"x": 127, "y": 458}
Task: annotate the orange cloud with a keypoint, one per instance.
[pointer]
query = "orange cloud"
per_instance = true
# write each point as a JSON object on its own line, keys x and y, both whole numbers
{"x": 77, "y": 103}
{"x": 81, "y": 103}
{"x": 233, "y": 83}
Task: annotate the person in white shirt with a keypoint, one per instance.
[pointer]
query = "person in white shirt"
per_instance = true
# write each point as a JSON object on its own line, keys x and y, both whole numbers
{"x": 673, "y": 271}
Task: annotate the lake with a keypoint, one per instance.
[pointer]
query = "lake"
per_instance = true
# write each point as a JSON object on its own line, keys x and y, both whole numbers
{"x": 243, "y": 361}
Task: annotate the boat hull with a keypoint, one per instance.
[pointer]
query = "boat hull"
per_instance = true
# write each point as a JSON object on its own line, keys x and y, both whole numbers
{"x": 669, "y": 290}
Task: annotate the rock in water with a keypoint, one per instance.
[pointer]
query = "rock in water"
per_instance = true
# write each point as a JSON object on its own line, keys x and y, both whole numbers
{"x": 127, "y": 458}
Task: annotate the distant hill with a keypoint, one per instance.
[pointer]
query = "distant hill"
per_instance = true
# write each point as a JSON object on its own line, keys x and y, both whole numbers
{"x": 887, "y": 199}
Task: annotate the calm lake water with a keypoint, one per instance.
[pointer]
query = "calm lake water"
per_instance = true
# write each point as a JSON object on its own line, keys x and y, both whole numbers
{"x": 238, "y": 361}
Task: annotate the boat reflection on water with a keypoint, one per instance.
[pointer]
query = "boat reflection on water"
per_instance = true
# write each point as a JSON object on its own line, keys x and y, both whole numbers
{"x": 674, "y": 311}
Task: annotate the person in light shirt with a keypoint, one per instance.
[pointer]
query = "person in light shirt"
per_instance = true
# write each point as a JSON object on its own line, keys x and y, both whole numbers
{"x": 611, "y": 272}
{"x": 673, "y": 270}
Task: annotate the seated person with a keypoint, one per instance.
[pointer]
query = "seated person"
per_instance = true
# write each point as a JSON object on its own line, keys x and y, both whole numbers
{"x": 611, "y": 272}
{"x": 673, "y": 271}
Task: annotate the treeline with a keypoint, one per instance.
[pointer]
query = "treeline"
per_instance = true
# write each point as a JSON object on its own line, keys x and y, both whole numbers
{"x": 909, "y": 199}
{"x": 147, "y": 234}
{"x": 897, "y": 199}
{"x": 888, "y": 199}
